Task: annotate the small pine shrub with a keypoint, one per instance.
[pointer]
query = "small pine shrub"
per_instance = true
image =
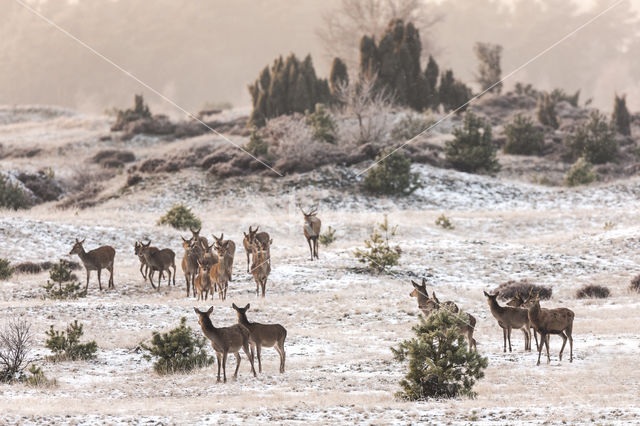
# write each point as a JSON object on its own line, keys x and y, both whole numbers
{"x": 392, "y": 175}
{"x": 328, "y": 237}
{"x": 634, "y": 285}
{"x": 180, "y": 217}
{"x": 472, "y": 149}
{"x": 444, "y": 222}
{"x": 60, "y": 274}
{"x": 410, "y": 126}
{"x": 621, "y": 118}
{"x": 511, "y": 289}
{"x": 547, "y": 111}
{"x": 5, "y": 269}
{"x": 139, "y": 111}
{"x": 440, "y": 364}
{"x": 322, "y": 124}
{"x": 257, "y": 146}
{"x": 522, "y": 137}
{"x": 581, "y": 173}
{"x": 67, "y": 346}
{"x": 593, "y": 291}
{"x": 178, "y": 351}
{"x": 27, "y": 268}
{"x": 594, "y": 140}
{"x": 378, "y": 253}
{"x": 608, "y": 225}
{"x": 38, "y": 379}
{"x": 11, "y": 195}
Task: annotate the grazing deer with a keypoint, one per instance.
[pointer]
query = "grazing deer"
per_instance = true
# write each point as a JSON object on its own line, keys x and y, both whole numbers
{"x": 95, "y": 260}
{"x": 430, "y": 305}
{"x": 230, "y": 252}
{"x": 160, "y": 260}
{"x": 552, "y": 321}
{"x": 192, "y": 253}
{"x": 509, "y": 318}
{"x": 263, "y": 335}
{"x": 202, "y": 283}
{"x": 225, "y": 340}
{"x": 311, "y": 230}
{"x": 252, "y": 236}
{"x": 260, "y": 266}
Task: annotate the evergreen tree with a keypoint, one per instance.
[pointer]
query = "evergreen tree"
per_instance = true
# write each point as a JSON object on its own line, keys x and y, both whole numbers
{"x": 489, "y": 71}
{"x": 338, "y": 75}
{"x": 472, "y": 149}
{"x": 431, "y": 75}
{"x": 452, "y": 93}
{"x": 621, "y": 118}
{"x": 440, "y": 364}
{"x": 547, "y": 111}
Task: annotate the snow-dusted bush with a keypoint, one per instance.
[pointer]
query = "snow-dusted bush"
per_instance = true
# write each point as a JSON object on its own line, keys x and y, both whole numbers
{"x": 5, "y": 269}
{"x": 522, "y": 137}
{"x": 580, "y": 173}
{"x": 511, "y": 289}
{"x": 444, "y": 222}
{"x": 410, "y": 125}
{"x": 378, "y": 253}
{"x": 180, "y": 217}
{"x": 635, "y": 284}
{"x": 27, "y": 268}
{"x": 66, "y": 345}
{"x": 60, "y": 274}
{"x": 472, "y": 149}
{"x": 440, "y": 363}
{"x": 595, "y": 140}
{"x": 593, "y": 291}
{"x": 391, "y": 175}
{"x": 15, "y": 348}
{"x": 12, "y": 196}
{"x": 327, "y": 237}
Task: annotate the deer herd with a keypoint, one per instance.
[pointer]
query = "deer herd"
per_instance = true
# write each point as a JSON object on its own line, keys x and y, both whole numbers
{"x": 208, "y": 269}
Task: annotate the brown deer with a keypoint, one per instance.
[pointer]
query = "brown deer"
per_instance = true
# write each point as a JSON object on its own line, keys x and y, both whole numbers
{"x": 95, "y": 260}
{"x": 263, "y": 335}
{"x": 509, "y": 318}
{"x": 225, "y": 340}
{"x": 430, "y": 305}
{"x": 192, "y": 253}
{"x": 230, "y": 252}
{"x": 518, "y": 301}
{"x": 144, "y": 268}
{"x": 220, "y": 272}
{"x": 202, "y": 284}
{"x": 552, "y": 321}
{"x": 260, "y": 266}
{"x": 311, "y": 230}
{"x": 195, "y": 236}
{"x": 159, "y": 260}
{"x": 252, "y": 236}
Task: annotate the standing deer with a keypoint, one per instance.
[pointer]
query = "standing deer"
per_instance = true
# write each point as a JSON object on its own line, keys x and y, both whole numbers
{"x": 225, "y": 340}
{"x": 311, "y": 230}
{"x": 192, "y": 253}
{"x": 95, "y": 260}
{"x": 267, "y": 335}
{"x": 220, "y": 272}
{"x": 260, "y": 266}
{"x": 552, "y": 321}
{"x": 518, "y": 301}
{"x": 195, "y": 236}
{"x": 160, "y": 260}
{"x": 430, "y": 305}
{"x": 509, "y": 318}
{"x": 230, "y": 252}
{"x": 144, "y": 268}
{"x": 252, "y": 236}
{"x": 202, "y": 283}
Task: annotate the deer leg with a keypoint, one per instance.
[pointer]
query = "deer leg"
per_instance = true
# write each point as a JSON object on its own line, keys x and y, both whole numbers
{"x": 546, "y": 343}
{"x": 99, "y": 283}
{"x": 87, "y": 286}
{"x": 142, "y": 267}
{"x": 564, "y": 342}
{"x": 111, "y": 284}
{"x": 224, "y": 365}
{"x": 527, "y": 339}
{"x": 247, "y": 262}
{"x": 264, "y": 285}
{"x": 315, "y": 246}
{"x": 258, "y": 353}
{"x": 535, "y": 336}
{"x": 310, "y": 247}
{"x": 248, "y": 351}
{"x": 280, "y": 349}
{"x": 504, "y": 339}
{"x": 174, "y": 274}
{"x": 509, "y": 337}
{"x": 218, "y": 358}
{"x": 235, "y": 375}
{"x": 540, "y": 347}
{"x": 151, "y": 272}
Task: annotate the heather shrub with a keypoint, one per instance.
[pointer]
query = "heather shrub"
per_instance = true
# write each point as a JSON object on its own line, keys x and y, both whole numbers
{"x": 580, "y": 173}
{"x": 511, "y": 288}
{"x": 472, "y": 149}
{"x": 124, "y": 117}
{"x": 178, "y": 351}
{"x": 594, "y": 140}
{"x": 391, "y": 175}
{"x": 180, "y": 217}
{"x": 522, "y": 137}
{"x": 634, "y": 285}
{"x": 439, "y": 361}
{"x": 410, "y": 126}
{"x": 378, "y": 253}
{"x": 66, "y": 345}
{"x": 27, "y": 268}
{"x": 593, "y": 291}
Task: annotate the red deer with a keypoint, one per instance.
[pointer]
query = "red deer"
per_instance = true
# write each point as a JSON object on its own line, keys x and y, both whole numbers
{"x": 160, "y": 260}
{"x": 253, "y": 235}
{"x": 229, "y": 250}
{"x": 311, "y": 230}
{"x": 95, "y": 260}
{"x": 260, "y": 265}
{"x": 192, "y": 253}
{"x": 509, "y": 318}
{"x": 202, "y": 284}
{"x": 552, "y": 321}
{"x": 263, "y": 335}
{"x": 225, "y": 340}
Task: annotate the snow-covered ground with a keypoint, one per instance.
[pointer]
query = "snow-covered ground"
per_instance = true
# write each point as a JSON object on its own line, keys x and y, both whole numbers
{"x": 341, "y": 322}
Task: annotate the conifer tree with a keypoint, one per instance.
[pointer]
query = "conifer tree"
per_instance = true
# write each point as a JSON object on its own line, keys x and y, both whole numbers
{"x": 338, "y": 76}
{"x": 621, "y": 118}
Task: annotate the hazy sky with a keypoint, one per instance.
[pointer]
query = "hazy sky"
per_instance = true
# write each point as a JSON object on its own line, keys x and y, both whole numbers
{"x": 203, "y": 51}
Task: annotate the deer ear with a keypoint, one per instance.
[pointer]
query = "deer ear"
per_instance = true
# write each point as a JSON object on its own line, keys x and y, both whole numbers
{"x": 413, "y": 283}
{"x": 485, "y": 293}
{"x": 433, "y": 295}
{"x": 82, "y": 242}
{"x": 233, "y": 305}
{"x": 210, "y": 310}
{"x": 424, "y": 282}
{"x": 248, "y": 306}
{"x": 196, "y": 310}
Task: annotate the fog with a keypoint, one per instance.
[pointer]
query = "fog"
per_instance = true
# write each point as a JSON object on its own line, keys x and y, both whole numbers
{"x": 207, "y": 51}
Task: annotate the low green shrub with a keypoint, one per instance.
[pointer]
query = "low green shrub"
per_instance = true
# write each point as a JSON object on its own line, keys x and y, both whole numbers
{"x": 472, "y": 149}
{"x": 322, "y": 124}
{"x": 62, "y": 284}
{"x": 595, "y": 140}
{"x": 180, "y": 217}
{"x": 444, "y": 222}
{"x": 66, "y": 345}
{"x": 38, "y": 379}
{"x": 6, "y": 270}
{"x": 328, "y": 237}
{"x": 593, "y": 291}
{"x": 580, "y": 173}
{"x": 410, "y": 126}
{"x": 11, "y": 195}
{"x": 378, "y": 253}
{"x": 522, "y": 137}
{"x": 178, "y": 351}
{"x": 391, "y": 175}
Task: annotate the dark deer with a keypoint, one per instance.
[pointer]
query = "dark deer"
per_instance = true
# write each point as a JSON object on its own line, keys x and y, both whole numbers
{"x": 552, "y": 321}
{"x": 263, "y": 335}
{"x": 261, "y": 265}
{"x": 311, "y": 230}
{"x": 430, "y": 305}
{"x": 196, "y": 238}
{"x": 509, "y": 318}
{"x": 229, "y": 248}
{"x": 202, "y": 284}
{"x": 225, "y": 340}
{"x": 159, "y": 260}
{"x": 95, "y": 260}
{"x": 252, "y": 236}
{"x": 192, "y": 253}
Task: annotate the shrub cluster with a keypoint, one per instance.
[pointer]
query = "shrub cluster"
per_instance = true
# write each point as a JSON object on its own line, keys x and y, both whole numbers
{"x": 547, "y": 111}
{"x": 523, "y": 138}
{"x": 410, "y": 126}
{"x": 11, "y": 195}
{"x": 634, "y": 285}
{"x": 444, "y": 222}
{"x": 322, "y": 124}
{"x": 378, "y": 253}
{"x": 67, "y": 346}
{"x": 177, "y": 351}
{"x": 580, "y": 173}
{"x": 440, "y": 364}
{"x": 593, "y": 291}
{"x": 472, "y": 149}
{"x": 60, "y": 274}
{"x": 180, "y": 217}
{"x": 38, "y": 379}
{"x": 392, "y": 175}
{"x": 27, "y": 268}
{"x": 5, "y": 269}
{"x": 328, "y": 237}
{"x": 139, "y": 111}
{"x": 595, "y": 140}
{"x": 511, "y": 289}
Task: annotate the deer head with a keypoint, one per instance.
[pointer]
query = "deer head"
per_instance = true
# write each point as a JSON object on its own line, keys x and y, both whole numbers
{"x": 195, "y": 233}
{"x": 203, "y": 315}
{"x": 77, "y": 247}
